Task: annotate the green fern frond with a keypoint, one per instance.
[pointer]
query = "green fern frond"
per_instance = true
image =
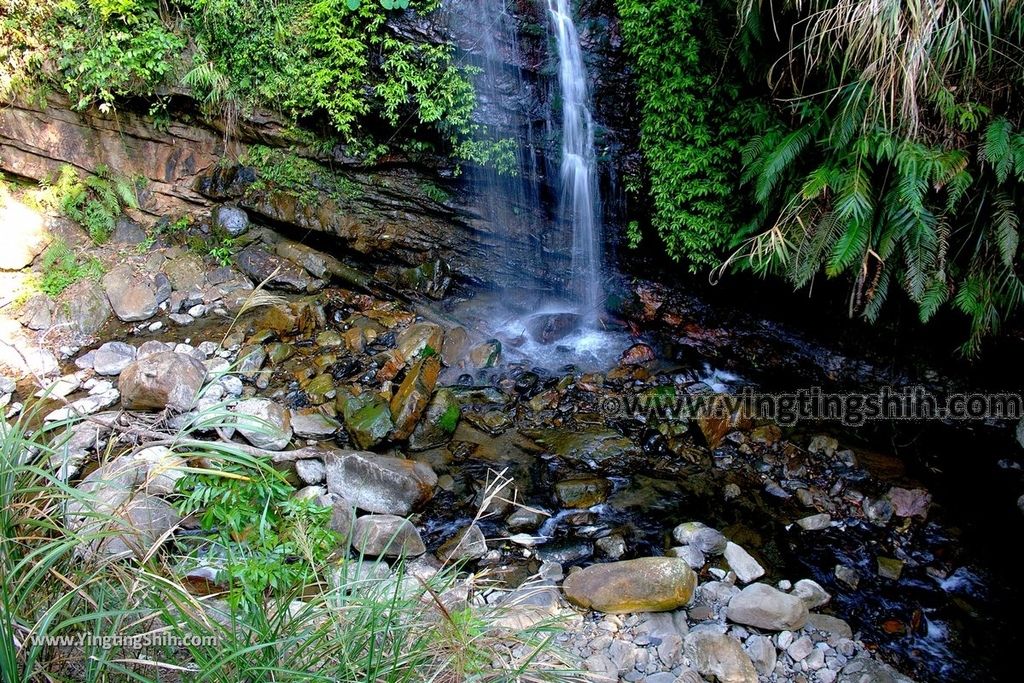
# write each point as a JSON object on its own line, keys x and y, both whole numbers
{"x": 778, "y": 162}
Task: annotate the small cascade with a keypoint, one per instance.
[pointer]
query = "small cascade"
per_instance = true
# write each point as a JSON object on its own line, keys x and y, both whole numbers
{"x": 580, "y": 204}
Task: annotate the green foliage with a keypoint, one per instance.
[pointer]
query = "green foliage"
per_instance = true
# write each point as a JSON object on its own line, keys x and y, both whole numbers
{"x": 449, "y": 418}
{"x": 61, "y": 268}
{"x": 95, "y": 202}
{"x": 272, "y": 541}
{"x": 890, "y": 158}
{"x": 278, "y": 170}
{"x": 689, "y": 138}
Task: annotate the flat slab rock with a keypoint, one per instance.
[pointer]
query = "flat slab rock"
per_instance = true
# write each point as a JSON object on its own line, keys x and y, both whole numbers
{"x": 378, "y": 483}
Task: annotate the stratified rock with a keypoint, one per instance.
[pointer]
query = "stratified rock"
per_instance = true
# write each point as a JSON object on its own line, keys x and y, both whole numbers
{"x": 764, "y": 607}
{"x": 439, "y": 422}
{"x": 432, "y": 278}
{"x": 583, "y": 492}
{"x": 113, "y": 357}
{"x": 468, "y": 544}
{"x": 367, "y": 418}
{"x": 740, "y": 561}
{"x": 412, "y": 396}
{"x": 718, "y": 657}
{"x": 264, "y": 423}
{"x": 231, "y": 219}
{"x": 387, "y": 536}
{"x": 647, "y": 584}
{"x": 161, "y": 380}
{"x": 414, "y": 340}
{"x": 378, "y": 483}
{"x": 135, "y": 296}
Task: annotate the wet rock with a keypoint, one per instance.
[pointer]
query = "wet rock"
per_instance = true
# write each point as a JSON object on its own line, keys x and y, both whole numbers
{"x": 432, "y": 278}
{"x": 742, "y": 563}
{"x": 637, "y": 354}
{"x": 815, "y": 522}
{"x": 565, "y": 551}
{"x": 320, "y": 389}
{"x": 878, "y": 512}
{"x": 889, "y": 568}
{"x": 762, "y": 653}
{"x": 135, "y": 296}
{"x": 84, "y": 308}
{"x": 719, "y": 657}
{"x": 594, "y": 447}
{"x": 767, "y": 435}
{"x": 709, "y": 541}
{"x": 413, "y": 394}
{"x": 811, "y": 593}
{"x": 439, "y": 422}
{"x": 316, "y": 263}
{"x": 767, "y": 608}
{"x": 909, "y": 502}
{"x": 847, "y": 575}
{"x": 547, "y": 328}
{"x": 278, "y": 273}
{"x": 367, "y": 418}
{"x": 314, "y": 425}
{"x": 493, "y": 422}
{"x": 386, "y": 536}
{"x": 456, "y": 343}
{"x": 161, "y": 380}
{"x": 691, "y": 554}
{"x": 264, "y": 423}
{"x": 485, "y": 355}
{"x": 584, "y": 492}
{"x": 413, "y": 341}
{"x": 250, "y": 361}
{"x": 468, "y": 544}
{"x": 648, "y": 584}
{"x": 377, "y": 483}
{"x": 113, "y": 357}
{"x": 823, "y": 444}
{"x": 525, "y": 518}
{"x": 613, "y": 546}
{"x": 231, "y": 219}
{"x": 279, "y": 352}
{"x": 865, "y": 670}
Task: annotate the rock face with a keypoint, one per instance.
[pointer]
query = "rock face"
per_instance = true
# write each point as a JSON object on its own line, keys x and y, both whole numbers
{"x": 25, "y": 236}
{"x": 764, "y": 607}
{"x": 161, "y": 380}
{"x": 719, "y": 657}
{"x": 386, "y": 536}
{"x": 378, "y": 483}
{"x": 135, "y": 296}
{"x": 647, "y": 584}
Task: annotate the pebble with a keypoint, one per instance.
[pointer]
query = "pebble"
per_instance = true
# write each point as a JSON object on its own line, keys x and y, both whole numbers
{"x": 156, "y": 327}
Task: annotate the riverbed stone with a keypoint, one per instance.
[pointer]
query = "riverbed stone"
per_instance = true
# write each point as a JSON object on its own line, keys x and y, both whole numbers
{"x": 717, "y": 656}
{"x": 415, "y": 339}
{"x": 161, "y": 380}
{"x": 367, "y": 418}
{"x": 765, "y": 607}
{"x": 439, "y": 421}
{"x": 830, "y": 624}
{"x": 815, "y": 522}
{"x": 113, "y": 357}
{"x": 706, "y": 539}
{"x": 378, "y": 483}
{"x": 468, "y": 544}
{"x": 135, "y": 296}
{"x": 647, "y": 584}
{"x": 866, "y": 670}
{"x": 762, "y": 653}
{"x": 83, "y": 308}
{"x": 313, "y": 425}
{"x": 231, "y": 219}
{"x": 742, "y": 563}
{"x": 386, "y": 536}
{"x": 413, "y": 394}
{"x": 594, "y": 447}
{"x": 486, "y": 354}
{"x": 811, "y": 592}
{"x": 582, "y": 492}
{"x": 264, "y": 423}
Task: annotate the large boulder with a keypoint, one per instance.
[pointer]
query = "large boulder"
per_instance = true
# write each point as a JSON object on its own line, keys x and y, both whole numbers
{"x": 135, "y": 296}
{"x": 716, "y": 656}
{"x": 161, "y": 380}
{"x": 84, "y": 308}
{"x": 378, "y": 483}
{"x": 764, "y": 607}
{"x": 264, "y": 423}
{"x": 647, "y": 584}
{"x": 386, "y": 536}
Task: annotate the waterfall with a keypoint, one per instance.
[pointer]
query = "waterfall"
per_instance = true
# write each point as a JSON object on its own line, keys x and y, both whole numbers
{"x": 580, "y": 203}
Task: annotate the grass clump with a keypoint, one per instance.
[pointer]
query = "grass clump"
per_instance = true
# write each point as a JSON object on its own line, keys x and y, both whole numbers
{"x": 61, "y": 268}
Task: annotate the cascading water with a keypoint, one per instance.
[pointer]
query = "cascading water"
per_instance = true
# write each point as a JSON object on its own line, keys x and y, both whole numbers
{"x": 580, "y": 195}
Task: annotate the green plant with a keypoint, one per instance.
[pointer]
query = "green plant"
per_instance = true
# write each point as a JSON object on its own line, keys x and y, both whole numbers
{"x": 94, "y": 202}
{"x": 223, "y": 251}
{"x": 435, "y": 193}
{"x": 449, "y": 418}
{"x": 61, "y": 268}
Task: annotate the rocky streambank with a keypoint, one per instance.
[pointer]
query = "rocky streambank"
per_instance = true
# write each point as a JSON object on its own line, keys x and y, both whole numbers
{"x": 664, "y": 550}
